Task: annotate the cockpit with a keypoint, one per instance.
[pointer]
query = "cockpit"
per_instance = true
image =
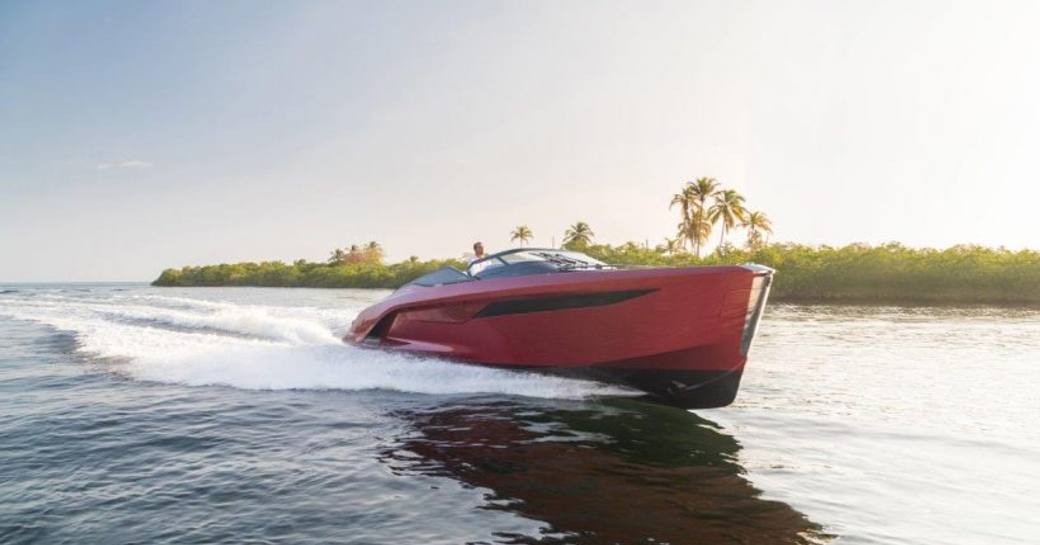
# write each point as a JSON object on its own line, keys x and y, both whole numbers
{"x": 531, "y": 261}
{"x": 516, "y": 262}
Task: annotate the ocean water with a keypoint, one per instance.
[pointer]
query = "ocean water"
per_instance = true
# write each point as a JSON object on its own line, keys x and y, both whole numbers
{"x": 131, "y": 414}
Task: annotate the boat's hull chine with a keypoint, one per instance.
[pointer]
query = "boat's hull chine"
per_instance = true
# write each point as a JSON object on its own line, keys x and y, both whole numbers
{"x": 679, "y": 388}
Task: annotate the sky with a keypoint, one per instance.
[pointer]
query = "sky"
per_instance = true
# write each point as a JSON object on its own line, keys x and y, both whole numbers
{"x": 136, "y": 136}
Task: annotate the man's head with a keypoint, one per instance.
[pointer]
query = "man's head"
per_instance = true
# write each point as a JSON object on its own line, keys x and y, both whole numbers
{"x": 478, "y": 249}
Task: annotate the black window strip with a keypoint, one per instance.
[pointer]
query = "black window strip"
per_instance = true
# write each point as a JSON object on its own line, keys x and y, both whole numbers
{"x": 559, "y": 302}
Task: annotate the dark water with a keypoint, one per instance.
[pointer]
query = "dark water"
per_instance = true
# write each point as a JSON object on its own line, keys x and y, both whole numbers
{"x": 135, "y": 415}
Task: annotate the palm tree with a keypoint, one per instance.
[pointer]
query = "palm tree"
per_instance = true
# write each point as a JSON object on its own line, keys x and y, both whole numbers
{"x": 373, "y": 252}
{"x": 698, "y": 229}
{"x": 670, "y": 246}
{"x": 757, "y": 223}
{"x": 728, "y": 209}
{"x": 354, "y": 255}
{"x": 693, "y": 199}
{"x": 703, "y": 189}
{"x": 523, "y": 234}
{"x": 337, "y": 256}
{"x": 578, "y": 235}
{"x": 687, "y": 201}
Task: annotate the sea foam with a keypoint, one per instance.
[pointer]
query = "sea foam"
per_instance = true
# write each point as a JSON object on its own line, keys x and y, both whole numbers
{"x": 202, "y": 343}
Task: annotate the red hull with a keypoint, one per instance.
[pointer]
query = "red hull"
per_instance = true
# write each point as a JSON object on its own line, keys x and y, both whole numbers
{"x": 679, "y": 334}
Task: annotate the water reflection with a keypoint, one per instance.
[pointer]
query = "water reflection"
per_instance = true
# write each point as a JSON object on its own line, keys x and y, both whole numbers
{"x": 613, "y": 472}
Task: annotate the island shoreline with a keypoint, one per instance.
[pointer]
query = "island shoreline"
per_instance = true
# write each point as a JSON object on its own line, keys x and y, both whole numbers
{"x": 857, "y": 274}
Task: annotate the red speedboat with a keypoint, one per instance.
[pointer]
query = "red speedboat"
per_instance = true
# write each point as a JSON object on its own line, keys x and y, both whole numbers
{"x": 679, "y": 334}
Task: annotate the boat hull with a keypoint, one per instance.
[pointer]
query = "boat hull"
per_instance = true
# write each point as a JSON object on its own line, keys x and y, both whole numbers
{"x": 680, "y": 335}
{"x": 681, "y": 388}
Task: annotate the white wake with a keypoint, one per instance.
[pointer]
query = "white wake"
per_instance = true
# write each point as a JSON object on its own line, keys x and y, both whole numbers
{"x": 252, "y": 346}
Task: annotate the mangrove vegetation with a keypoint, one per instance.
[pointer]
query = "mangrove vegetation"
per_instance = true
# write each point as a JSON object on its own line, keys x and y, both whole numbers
{"x": 856, "y": 273}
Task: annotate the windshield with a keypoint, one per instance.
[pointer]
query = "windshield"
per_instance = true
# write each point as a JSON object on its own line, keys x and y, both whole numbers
{"x": 532, "y": 261}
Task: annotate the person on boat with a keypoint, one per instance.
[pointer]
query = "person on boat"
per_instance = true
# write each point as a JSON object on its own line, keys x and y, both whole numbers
{"x": 478, "y": 254}
{"x": 478, "y": 251}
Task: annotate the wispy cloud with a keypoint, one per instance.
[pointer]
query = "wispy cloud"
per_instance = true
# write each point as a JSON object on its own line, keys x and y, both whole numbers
{"x": 133, "y": 163}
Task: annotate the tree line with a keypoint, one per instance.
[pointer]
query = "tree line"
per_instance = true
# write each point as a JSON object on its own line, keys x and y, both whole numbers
{"x": 856, "y": 273}
{"x": 352, "y": 272}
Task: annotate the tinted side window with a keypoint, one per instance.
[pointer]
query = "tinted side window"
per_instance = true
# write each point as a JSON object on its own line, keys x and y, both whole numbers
{"x": 447, "y": 275}
{"x": 520, "y": 269}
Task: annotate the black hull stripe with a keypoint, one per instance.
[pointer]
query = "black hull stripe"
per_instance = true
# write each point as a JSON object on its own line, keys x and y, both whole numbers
{"x": 675, "y": 387}
{"x": 559, "y": 302}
